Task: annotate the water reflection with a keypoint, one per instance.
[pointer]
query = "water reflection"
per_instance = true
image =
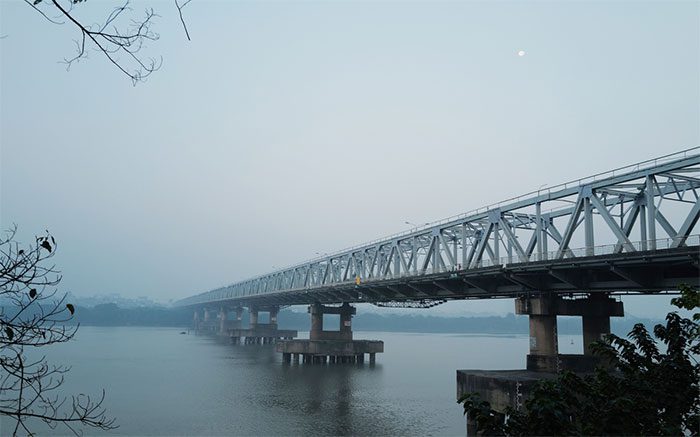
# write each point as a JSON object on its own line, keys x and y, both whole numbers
{"x": 161, "y": 383}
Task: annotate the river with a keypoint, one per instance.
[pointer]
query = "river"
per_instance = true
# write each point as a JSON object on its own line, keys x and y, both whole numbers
{"x": 161, "y": 382}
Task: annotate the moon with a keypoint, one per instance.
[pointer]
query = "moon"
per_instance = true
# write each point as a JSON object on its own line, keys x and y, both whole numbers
{"x": 521, "y": 53}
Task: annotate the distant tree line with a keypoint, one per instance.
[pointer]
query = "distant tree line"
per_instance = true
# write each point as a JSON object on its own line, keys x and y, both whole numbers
{"x": 110, "y": 314}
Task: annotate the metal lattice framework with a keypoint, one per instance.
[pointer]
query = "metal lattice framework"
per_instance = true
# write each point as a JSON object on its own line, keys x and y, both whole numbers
{"x": 420, "y": 303}
{"x": 649, "y": 206}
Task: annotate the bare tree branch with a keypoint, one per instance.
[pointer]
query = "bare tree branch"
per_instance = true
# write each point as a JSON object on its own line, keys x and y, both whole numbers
{"x": 33, "y": 5}
{"x": 120, "y": 41}
{"x": 32, "y": 316}
{"x": 179, "y": 10}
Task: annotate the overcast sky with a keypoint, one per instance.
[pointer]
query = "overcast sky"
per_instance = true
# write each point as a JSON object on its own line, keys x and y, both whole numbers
{"x": 286, "y": 129}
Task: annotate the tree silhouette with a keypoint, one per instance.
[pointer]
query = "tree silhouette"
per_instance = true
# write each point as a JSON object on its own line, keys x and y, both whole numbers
{"x": 34, "y": 315}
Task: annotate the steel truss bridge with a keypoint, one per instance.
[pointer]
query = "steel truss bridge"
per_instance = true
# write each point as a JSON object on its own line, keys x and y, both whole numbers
{"x": 628, "y": 230}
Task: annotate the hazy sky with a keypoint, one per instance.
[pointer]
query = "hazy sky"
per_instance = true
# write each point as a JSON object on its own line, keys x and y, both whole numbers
{"x": 287, "y": 129}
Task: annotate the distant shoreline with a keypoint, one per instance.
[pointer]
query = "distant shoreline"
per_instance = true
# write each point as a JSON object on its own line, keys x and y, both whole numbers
{"x": 510, "y": 324}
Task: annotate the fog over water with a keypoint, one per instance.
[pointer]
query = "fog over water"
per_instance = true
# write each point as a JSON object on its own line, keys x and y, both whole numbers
{"x": 159, "y": 382}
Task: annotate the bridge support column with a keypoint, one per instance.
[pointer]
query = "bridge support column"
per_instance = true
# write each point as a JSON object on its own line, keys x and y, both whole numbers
{"x": 257, "y": 332}
{"x": 594, "y": 329}
{"x": 222, "y": 320}
{"x": 253, "y": 317}
{"x": 316, "y": 311}
{"x": 206, "y": 315}
{"x": 331, "y": 346}
{"x": 505, "y": 389}
{"x": 274, "y": 311}
{"x": 543, "y": 335}
{"x": 346, "y": 313}
{"x": 239, "y": 317}
{"x": 595, "y": 311}
{"x": 344, "y": 332}
{"x": 196, "y": 320}
{"x": 206, "y": 324}
{"x": 544, "y": 348}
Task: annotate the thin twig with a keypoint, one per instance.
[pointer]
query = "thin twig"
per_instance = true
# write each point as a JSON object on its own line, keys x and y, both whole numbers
{"x": 179, "y": 10}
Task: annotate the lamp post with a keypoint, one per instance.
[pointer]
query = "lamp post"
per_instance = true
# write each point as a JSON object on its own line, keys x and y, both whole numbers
{"x": 415, "y": 225}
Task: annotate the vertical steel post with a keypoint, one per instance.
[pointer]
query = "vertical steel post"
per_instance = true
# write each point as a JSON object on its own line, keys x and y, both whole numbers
{"x": 496, "y": 243}
{"x": 414, "y": 254}
{"x": 538, "y": 230}
{"x": 454, "y": 252}
{"x": 651, "y": 212}
{"x": 436, "y": 248}
{"x": 397, "y": 262}
{"x": 588, "y": 225}
{"x": 464, "y": 246}
{"x": 643, "y": 226}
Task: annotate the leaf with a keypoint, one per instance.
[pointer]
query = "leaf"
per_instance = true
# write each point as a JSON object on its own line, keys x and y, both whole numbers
{"x": 21, "y": 252}
{"x": 46, "y": 245}
{"x": 71, "y": 308}
{"x": 10, "y": 333}
{"x": 36, "y": 2}
{"x": 32, "y": 293}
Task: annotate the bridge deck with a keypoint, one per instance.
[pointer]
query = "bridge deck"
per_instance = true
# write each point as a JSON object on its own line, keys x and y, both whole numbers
{"x": 648, "y": 272}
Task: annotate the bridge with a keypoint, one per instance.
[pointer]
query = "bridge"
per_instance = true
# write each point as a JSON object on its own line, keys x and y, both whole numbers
{"x": 542, "y": 241}
{"x": 560, "y": 250}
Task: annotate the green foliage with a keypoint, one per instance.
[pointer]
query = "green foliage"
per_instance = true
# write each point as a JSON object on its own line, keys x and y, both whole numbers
{"x": 645, "y": 391}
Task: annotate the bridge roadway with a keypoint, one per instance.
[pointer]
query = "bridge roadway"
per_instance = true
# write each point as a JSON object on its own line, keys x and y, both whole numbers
{"x": 540, "y": 242}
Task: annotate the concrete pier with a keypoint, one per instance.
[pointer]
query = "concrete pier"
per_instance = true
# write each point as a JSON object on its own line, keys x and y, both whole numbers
{"x": 329, "y": 351}
{"x": 260, "y": 333}
{"x": 501, "y": 388}
{"x": 510, "y": 388}
{"x": 332, "y": 347}
{"x": 256, "y": 333}
{"x": 595, "y": 311}
{"x": 205, "y": 322}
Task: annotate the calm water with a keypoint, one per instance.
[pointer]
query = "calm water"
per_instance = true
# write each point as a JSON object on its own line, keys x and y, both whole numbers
{"x": 159, "y": 382}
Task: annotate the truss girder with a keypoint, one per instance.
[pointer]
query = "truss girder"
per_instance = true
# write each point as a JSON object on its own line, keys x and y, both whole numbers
{"x": 608, "y": 209}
